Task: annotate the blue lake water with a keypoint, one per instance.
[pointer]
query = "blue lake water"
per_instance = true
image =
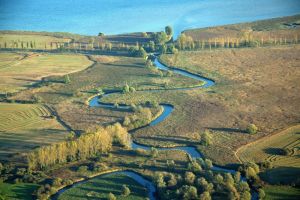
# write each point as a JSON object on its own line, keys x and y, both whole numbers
{"x": 122, "y": 16}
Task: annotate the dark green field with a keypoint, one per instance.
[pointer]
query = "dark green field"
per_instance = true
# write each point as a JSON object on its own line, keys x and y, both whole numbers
{"x": 99, "y": 188}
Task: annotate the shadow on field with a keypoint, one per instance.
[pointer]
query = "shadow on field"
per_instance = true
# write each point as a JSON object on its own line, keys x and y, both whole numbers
{"x": 274, "y": 151}
{"x": 234, "y": 130}
{"x": 282, "y": 175}
{"x": 25, "y": 79}
{"x": 177, "y": 140}
{"x": 133, "y": 65}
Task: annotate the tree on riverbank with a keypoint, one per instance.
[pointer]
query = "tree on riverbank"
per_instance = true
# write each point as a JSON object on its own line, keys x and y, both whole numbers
{"x": 206, "y": 138}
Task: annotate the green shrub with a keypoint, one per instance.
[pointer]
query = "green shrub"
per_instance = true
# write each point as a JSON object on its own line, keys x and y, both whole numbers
{"x": 252, "y": 129}
{"x": 82, "y": 169}
{"x": 125, "y": 191}
{"x": 67, "y": 79}
{"x": 111, "y": 196}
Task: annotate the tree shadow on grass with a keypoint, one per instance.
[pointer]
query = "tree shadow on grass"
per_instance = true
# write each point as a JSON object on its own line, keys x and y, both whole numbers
{"x": 282, "y": 175}
{"x": 22, "y": 190}
{"x": 274, "y": 151}
{"x": 234, "y": 130}
{"x": 133, "y": 65}
{"x": 179, "y": 141}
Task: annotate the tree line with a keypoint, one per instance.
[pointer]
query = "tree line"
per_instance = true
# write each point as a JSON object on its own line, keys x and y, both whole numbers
{"x": 185, "y": 42}
{"x": 85, "y": 146}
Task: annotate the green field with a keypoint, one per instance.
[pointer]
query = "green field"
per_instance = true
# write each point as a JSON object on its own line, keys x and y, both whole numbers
{"x": 24, "y": 127}
{"x": 281, "y": 193}
{"x": 99, "y": 188}
{"x": 20, "y": 191}
{"x": 20, "y": 71}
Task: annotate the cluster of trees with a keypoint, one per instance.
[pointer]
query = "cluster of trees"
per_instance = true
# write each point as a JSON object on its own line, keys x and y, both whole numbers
{"x": 206, "y": 138}
{"x": 199, "y": 182}
{"x": 142, "y": 116}
{"x": 128, "y": 89}
{"x": 81, "y": 148}
{"x": 137, "y": 52}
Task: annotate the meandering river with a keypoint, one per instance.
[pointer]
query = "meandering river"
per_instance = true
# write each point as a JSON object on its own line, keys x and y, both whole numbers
{"x": 167, "y": 111}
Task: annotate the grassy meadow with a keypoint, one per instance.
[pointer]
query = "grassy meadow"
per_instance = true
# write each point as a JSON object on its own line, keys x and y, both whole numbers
{"x": 20, "y": 71}
{"x": 20, "y": 191}
{"x": 281, "y": 192}
{"x": 24, "y": 127}
{"x": 101, "y": 186}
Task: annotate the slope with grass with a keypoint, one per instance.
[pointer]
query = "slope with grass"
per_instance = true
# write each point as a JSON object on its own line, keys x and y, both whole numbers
{"x": 24, "y": 127}
{"x": 19, "y": 73}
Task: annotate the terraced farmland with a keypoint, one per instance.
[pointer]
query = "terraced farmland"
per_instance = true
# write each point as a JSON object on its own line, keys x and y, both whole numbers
{"x": 18, "y": 73}
{"x": 24, "y": 127}
{"x": 270, "y": 149}
{"x": 286, "y": 167}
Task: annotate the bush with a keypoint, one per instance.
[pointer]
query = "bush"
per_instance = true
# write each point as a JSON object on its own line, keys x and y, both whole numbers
{"x": 82, "y": 169}
{"x": 154, "y": 152}
{"x": 67, "y": 79}
{"x": 125, "y": 191}
{"x": 111, "y": 196}
{"x": 56, "y": 182}
{"x": 206, "y": 138}
{"x": 189, "y": 178}
{"x": 252, "y": 129}
{"x": 261, "y": 193}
